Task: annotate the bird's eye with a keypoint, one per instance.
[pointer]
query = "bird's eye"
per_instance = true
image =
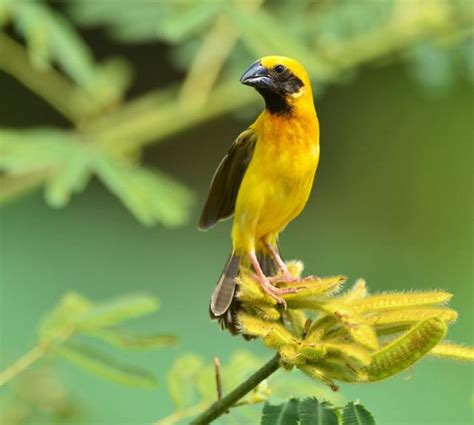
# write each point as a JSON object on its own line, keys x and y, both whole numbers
{"x": 279, "y": 69}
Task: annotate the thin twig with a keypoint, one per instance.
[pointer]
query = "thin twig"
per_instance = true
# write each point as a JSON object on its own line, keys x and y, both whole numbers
{"x": 217, "y": 368}
{"x": 35, "y": 354}
{"x": 222, "y": 405}
{"x": 22, "y": 363}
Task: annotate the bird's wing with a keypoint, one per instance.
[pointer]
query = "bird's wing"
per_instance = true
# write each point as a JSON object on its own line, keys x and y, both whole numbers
{"x": 220, "y": 202}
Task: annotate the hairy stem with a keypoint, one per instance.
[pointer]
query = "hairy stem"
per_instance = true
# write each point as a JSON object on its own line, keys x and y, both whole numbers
{"x": 222, "y": 405}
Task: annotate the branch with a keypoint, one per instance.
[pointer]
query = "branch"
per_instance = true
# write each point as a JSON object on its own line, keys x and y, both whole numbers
{"x": 222, "y": 405}
{"x": 50, "y": 85}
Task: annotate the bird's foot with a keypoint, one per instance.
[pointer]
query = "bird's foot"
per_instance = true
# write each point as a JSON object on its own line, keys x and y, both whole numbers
{"x": 274, "y": 292}
{"x": 284, "y": 277}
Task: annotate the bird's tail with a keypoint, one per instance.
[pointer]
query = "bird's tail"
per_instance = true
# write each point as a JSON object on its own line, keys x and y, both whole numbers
{"x": 223, "y": 296}
{"x": 223, "y": 303}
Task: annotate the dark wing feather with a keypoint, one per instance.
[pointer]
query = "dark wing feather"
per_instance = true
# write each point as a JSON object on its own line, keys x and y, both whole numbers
{"x": 220, "y": 203}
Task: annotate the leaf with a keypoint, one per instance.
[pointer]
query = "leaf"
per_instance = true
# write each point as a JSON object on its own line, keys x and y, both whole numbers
{"x": 123, "y": 338}
{"x": 283, "y": 414}
{"x": 69, "y": 162}
{"x": 313, "y": 412}
{"x": 105, "y": 367}
{"x": 151, "y": 196}
{"x": 356, "y": 414}
{"x": 52, "y": 39}
{"x": 71, "y": 177}
{"x": 119, "y": 310}
{"x": 65, "y": 315}
{"x": 182, "y": 378}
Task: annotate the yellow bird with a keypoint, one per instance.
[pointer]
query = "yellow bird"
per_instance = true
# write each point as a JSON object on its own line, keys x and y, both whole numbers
{"x": 265, "y": 179}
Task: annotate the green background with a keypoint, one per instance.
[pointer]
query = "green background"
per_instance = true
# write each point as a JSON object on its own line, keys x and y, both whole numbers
{"x": 392, "y": 203}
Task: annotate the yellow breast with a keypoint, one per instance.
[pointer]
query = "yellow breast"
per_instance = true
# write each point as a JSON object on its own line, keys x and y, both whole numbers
{"x": 278, "y": 181}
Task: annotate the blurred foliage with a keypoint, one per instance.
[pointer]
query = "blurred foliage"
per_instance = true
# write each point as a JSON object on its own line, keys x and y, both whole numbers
{"x": 39, "y": 396}
{"x": 352, "y": 337}
{"x": 63, "y": 332}
{"x": 212, "y": 42}
{"x": 192, "y": 387}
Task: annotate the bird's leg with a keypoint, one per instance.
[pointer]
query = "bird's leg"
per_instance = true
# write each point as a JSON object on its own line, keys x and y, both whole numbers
{"x": 285, "y": 273}
{"x": 268, "y": 288}
{"x": 285, "y": 276}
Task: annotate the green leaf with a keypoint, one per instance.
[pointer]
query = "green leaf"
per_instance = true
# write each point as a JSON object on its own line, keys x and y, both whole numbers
{"x": 65, "y": 315}
{"x": 356, "y": 414}
{"x": 123, "y": 338}
{"x": 283, "y": 414}
{"x": 116, "y": 311}
{"x": 71, "y": 177}
{"x": 182, "y": 379}
{"x": 313, "y": 412}
{"x": 151, "y": 196}
{"x": 105, "y": 367}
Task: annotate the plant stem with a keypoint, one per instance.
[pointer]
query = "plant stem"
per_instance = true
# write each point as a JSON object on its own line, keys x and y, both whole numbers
{"x": 49, "y": 84}
{"x": 22, "y": 363}
{"x": 222, "y": 405}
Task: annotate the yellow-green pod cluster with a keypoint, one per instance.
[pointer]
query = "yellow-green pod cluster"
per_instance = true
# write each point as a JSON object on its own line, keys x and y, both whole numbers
{"x": 349, "y": 337}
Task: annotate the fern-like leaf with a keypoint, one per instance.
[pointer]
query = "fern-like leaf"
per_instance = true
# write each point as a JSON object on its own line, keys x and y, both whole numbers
{"x": 356, "y": 414}
{"x": 283, "y": 414}
{"x": 313, "y": 412}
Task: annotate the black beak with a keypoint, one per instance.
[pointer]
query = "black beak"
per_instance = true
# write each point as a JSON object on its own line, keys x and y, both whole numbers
{"x": 256, "y": 76}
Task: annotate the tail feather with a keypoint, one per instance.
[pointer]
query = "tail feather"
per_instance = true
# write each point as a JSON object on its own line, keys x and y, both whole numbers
{"x": 224, "y": 292}
{"x": 223, "y": 303}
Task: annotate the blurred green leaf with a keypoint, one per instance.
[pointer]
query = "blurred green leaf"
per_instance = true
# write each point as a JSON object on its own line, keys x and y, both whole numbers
{"x": 69, "y": 162}
{"x": 72, "y": 176}
{"x": 145, "y": 21}
{"x": 151, "y": 196}
{"x": 283, "y": 414}
{"x": 263, "y": 34}
{"x": 181, "y": 380}
{"x": 113, "y": 312}
{"x": 105, "y": 367}
{"x": 66, "y": 314}
{"x": 123, "y": 338}
{"x": 314, "y": 412}
{"x": 356, "y": 414}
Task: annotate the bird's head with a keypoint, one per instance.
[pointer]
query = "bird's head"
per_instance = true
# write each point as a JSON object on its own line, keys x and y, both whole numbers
{"x": 283, "y": 83}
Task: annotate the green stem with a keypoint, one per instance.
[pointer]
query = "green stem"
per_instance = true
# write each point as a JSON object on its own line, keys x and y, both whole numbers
{"x": 24, "y": 362}
{"x": 48, "y": 84}
{"x": 224, "y": 404}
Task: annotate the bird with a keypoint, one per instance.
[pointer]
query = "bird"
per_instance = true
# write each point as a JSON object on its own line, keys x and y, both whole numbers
{"x": 264, "y": 181}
